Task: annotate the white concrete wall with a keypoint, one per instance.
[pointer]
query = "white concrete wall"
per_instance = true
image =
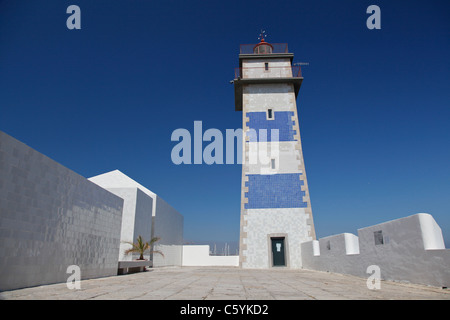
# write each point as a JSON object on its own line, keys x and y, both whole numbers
{"x": 412, "y": 251}
{"x": 51, "y": 218}
{"x": 148, "y": 215}
{"x": 198, "y": 255}
{"x": 143, "y": 219}
{"x": 136, "y": 219}
{"x": 168, "y": 225}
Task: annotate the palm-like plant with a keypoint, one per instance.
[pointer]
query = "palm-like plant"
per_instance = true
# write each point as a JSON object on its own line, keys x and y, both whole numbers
{"x": 141, "y": 247}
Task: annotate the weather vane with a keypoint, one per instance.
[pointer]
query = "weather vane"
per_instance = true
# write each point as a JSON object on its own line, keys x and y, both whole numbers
{"x": 262, "y": 35}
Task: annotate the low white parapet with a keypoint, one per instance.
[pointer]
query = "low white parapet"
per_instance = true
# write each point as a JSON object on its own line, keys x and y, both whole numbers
{"x": 198, "y": 255}
{"x": 339, "y": 244}
{"x": 431, "y": 232}
{"x": 409, "y": 249}
{"x": 315, "y": 248}
{"x": 351, "y": 244}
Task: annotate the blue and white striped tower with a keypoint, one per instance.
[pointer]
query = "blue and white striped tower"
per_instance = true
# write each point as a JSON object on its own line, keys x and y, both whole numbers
{"x": 276, "y": 214}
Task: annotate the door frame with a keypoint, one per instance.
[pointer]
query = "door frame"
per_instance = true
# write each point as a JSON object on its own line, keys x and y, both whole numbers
{"x": 286, "y": 249}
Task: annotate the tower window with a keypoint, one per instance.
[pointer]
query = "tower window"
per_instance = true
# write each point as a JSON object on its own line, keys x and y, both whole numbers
{"x": 272, "y": 164}
{"x": 269, "y": 114}
{"x": 266, "y": 66}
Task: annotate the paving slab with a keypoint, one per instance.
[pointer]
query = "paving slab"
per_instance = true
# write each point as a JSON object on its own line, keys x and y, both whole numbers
{"x": 229, "y": 283}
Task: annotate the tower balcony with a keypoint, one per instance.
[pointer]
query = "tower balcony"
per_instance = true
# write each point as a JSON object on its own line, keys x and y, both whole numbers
{"x": 265, "y": 72}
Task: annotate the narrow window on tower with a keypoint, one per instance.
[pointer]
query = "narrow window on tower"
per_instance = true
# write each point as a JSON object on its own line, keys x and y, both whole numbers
{"x": 272, "y": 164}
{"x": 270, "y": 114}
{"x": 266, "y": 66}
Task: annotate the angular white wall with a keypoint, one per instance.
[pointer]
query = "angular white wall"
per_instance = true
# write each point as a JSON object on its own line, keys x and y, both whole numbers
{"x": 136, "y": 219}
{"x": 409, "y": 249}
{"x": 51, "y": 218}
{"x": 168, "y": 225}
{"x": 148, "y": 215}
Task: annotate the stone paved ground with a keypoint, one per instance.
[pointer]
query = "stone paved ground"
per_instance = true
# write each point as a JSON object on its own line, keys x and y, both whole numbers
{"x": 227, "y": 283}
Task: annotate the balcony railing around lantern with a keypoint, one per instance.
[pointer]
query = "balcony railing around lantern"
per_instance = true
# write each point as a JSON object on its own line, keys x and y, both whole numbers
{"x": 271, "y": 72}
{"x": 276, "y": 48}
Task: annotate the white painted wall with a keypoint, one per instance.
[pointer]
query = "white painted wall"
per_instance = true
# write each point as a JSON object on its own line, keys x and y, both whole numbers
{"x": 168, "y": 225}
{"x": 143, "y": 218}
{"x": 117, "y": 179}
{"x": 198, "y": 255}
{"x": 148, "y": 215}
{"x": 127, "y": 228}
{"x": 136, "y": 219}
{"x": 412, "y": 251}
{"x": 431, "y": 233}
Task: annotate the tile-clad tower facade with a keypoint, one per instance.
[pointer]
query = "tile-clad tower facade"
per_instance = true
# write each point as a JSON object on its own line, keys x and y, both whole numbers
{"x": 276, "y": 214}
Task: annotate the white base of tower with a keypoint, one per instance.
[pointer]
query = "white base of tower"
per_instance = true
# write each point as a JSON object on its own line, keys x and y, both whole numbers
{"x": 260, "y": 225}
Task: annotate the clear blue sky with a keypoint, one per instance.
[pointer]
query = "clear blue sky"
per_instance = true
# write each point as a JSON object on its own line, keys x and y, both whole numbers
{"x": 374, "y": 106}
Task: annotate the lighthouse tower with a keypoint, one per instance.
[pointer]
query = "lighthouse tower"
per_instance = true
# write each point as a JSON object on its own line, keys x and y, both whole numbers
{"x": 276, "y": 214}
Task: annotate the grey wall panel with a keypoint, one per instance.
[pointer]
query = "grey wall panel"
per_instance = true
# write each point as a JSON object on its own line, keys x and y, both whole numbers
{"x": 51, "y": 218}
